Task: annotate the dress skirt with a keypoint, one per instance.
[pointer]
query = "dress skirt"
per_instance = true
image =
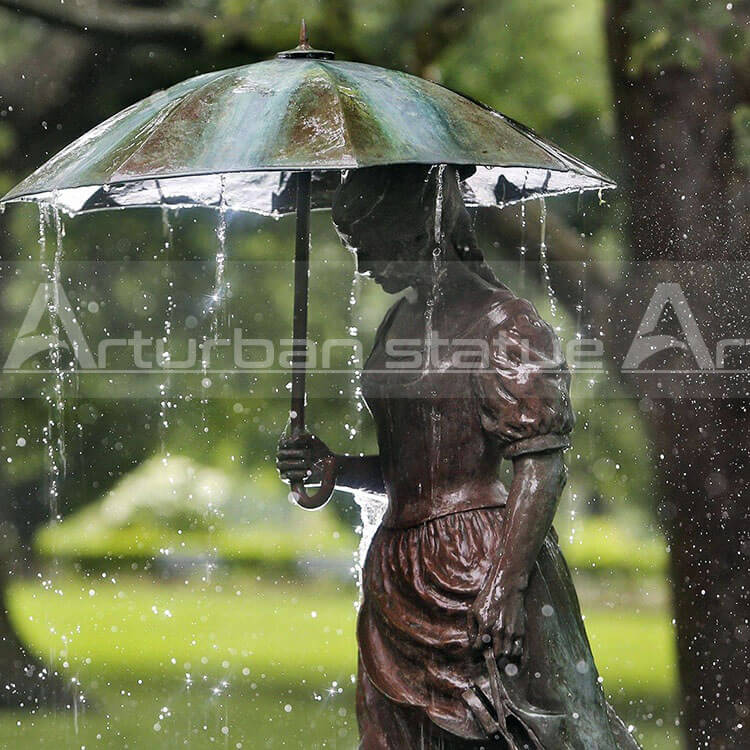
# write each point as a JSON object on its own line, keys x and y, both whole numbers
{"x": 416, "y": 661}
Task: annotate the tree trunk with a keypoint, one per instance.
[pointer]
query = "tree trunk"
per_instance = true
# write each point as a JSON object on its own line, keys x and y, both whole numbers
{"x": 706, "y": 509}
{"x": 687, "y": 196}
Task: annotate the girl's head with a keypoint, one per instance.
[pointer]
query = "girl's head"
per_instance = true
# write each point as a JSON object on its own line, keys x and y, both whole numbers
{"x": 387, "y": 217}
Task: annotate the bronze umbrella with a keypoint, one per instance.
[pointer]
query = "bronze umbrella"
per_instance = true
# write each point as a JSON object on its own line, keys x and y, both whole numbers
{"x": 274, "y": 137}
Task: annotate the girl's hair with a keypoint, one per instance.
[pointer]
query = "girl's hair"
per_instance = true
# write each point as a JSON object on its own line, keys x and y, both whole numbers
{"x": 462, "y": 233}
{"x": 386, "y": 190}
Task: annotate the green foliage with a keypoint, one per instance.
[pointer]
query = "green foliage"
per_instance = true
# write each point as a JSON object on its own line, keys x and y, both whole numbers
{"x": 7, "y": 140}
{"x": 741, "y": 130}
{"x": 627, "y": 668}
{"x": 388, "y": 32}
{"x": 678, "y": 34}
{"x": 263, "y": 543}
{"x": 609, "y": 462}
{"x": 16, "y": 38}
{"x": 543, "y": 63}
{"x": 174, "y": 508}
{"x": 603, "y": 545}
{"x": 173, "y": 493}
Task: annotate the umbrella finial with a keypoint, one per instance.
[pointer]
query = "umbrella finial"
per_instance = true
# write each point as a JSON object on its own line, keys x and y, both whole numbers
{"x": 303, "y": 50}
{"x": 304, "y": 39}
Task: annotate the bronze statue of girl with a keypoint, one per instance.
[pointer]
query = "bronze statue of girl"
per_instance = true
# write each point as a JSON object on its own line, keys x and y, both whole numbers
{"x": 470, "y": 633}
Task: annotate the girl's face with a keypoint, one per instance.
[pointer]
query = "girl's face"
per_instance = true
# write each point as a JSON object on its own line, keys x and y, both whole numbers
{"x": 388, "y": 220}
{"x": 394, "y": 259}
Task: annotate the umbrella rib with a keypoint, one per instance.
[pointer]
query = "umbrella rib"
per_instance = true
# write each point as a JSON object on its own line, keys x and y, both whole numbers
{"x": 334, "y": 85}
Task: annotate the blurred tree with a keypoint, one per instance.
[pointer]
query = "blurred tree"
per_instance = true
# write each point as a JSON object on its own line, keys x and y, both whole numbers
{"x": 681, "y": 74}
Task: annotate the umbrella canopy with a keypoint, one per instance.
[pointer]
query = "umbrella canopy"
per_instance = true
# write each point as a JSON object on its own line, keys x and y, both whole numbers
{"x": 234, "y": 137}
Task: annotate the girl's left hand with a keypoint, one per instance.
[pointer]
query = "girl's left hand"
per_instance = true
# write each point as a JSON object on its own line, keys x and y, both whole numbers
{"x": 498, "y": 617}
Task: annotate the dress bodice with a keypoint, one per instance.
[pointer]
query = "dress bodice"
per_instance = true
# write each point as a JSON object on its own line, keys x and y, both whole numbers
{"x": 488, "y": 382}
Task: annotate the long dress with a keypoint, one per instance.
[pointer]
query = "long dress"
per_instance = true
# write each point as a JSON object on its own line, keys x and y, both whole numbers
{"x": 442, "y": 435}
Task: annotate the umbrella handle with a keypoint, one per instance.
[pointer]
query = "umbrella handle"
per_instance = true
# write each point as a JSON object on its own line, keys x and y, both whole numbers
{"x": 301, "y": 269}
{"x": 323, "y": 495}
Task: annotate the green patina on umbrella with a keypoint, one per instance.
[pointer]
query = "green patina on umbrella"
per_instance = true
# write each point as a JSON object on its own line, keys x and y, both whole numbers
{"x": 255, "y": 124}
{"x": 273, "y": 137}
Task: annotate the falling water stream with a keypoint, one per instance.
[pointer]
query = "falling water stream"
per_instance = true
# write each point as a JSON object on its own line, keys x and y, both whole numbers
{"x": 219, "y": 295}
{"x": 371, "y": 506}
{"x": 582, "y": 279}
{"x": 437, "y": 265}
{"x": 53, "y": 434}
{"x": 581, "y": 300}
{"x": 579, "y": 331}
{"x": 354, "y": 363}
{"x": 543, "y": 260}
{"x": 438, "y": 271}
{"x": 522, "y": 250}
{"x": 165, "y": 386}
{"x": 217, "y": 304}
{"x": 53, "y": 431}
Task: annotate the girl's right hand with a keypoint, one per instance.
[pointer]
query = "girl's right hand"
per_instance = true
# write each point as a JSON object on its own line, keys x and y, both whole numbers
{"x": 302, "y": 458}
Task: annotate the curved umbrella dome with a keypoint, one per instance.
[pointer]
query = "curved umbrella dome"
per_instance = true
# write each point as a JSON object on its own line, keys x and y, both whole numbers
{"x": 235, "y": 137}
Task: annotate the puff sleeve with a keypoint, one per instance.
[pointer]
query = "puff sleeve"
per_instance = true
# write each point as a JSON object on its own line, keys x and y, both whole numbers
{"x": 523, "y": 395}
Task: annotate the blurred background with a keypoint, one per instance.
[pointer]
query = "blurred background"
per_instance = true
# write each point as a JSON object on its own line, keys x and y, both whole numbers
{"x": 157, "y": 586}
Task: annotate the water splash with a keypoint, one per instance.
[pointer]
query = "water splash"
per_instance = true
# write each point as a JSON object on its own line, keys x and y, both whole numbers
{"x": 543, "y": 260}
{"x": 372, "y": 508}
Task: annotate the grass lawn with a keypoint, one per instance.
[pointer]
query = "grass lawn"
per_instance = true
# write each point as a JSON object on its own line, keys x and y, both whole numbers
{"x": 238, "y": 662}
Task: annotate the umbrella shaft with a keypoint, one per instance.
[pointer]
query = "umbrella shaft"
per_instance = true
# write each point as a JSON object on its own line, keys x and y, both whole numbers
{"x": 301, "y": 276}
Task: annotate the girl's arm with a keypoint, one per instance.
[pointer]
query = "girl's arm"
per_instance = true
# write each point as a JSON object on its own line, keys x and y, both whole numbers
{"x": 497, "y": 617}
{"x": 360, "y": 473}
{"x": 301, "y": 459}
